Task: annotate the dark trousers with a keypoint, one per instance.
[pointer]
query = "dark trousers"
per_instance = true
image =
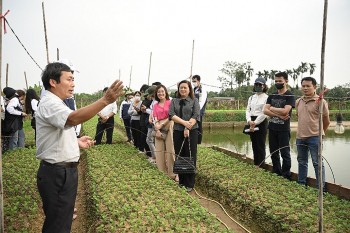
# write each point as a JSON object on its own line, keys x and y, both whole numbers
{"x": 279, "y": 143}
{"x": 58, "y": 189}
{"x": 258, "y": 139}
{"x": 127, "y": 125}
{"x": 200, "y": 130}
{"x": 143, "y": 143}
{"x": 136, "y": 133}
{"x": 186, "y": 180}
{"x": 108, "y": 126}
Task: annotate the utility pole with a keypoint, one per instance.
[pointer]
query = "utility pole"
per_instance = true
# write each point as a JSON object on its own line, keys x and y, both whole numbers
{"x": 58, "y": 54}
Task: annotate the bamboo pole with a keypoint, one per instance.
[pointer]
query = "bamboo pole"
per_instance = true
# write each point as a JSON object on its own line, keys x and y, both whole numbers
{"x": 130, "y": 78}
{"x": 320, "y": 178}
{"x": 58, "y": 54}
{"x": 7, "y": 74}
{"x": 25, "y": 77}
{"x": 1, "y": 184}
{"x": 192, "y": 60}
{"x": 46, "y": 42}
{"x": 149, "y": 68}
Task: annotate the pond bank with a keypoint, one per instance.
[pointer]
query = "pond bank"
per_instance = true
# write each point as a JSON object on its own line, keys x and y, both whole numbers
{"x": 232, "y": 124}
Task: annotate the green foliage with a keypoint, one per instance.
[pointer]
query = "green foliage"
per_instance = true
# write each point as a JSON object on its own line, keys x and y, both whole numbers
{"x": 261, "y": 198}
{"x": 128, "y": 194}
{"x": 21, "y": 198}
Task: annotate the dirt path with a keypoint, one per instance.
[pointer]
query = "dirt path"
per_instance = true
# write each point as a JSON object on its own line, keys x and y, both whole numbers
{"x": 80, "y": 224}
{"x": 215, "y": 209}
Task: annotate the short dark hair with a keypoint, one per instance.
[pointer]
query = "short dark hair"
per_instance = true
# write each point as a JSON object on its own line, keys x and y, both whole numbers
{"x": 282, "y": 74}
{"x": 53, "y": 71}
{"x": 189, "y": 86}
{"x": 156, "y": 83}
{"x": 137, "y": 92}
{"x": 105, "y": 89}
{"x": 156, "y": 90}
{"x": 309, "y": 79}
{"x": 196, "y": 77}
{"x": 143, "y": 88}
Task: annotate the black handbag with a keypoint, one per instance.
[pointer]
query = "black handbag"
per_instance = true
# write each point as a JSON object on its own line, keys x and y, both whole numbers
{"x": 184, "y": 165}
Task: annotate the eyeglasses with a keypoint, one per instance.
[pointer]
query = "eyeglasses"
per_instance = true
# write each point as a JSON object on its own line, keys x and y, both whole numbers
{"x": 258, "y": 84}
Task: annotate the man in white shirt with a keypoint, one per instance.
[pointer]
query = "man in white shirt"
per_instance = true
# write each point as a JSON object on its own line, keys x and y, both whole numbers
{"x": 106, "y": 122}
{"x": 201, "y": 94}
{"x": 58, "y": 146}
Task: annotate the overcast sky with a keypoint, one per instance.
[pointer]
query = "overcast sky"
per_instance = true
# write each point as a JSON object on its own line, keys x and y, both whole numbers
{"x": 103, "y": 37}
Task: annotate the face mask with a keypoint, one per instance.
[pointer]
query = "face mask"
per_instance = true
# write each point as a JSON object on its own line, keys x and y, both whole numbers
{"x": 258, "y": 89}
{"x": 279, "y": 86}
{"x": 137, "y": 98}
{"x": 194, "y": 84}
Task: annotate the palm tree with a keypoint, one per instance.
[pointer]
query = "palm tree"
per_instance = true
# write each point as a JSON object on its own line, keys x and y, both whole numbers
{"x": 266, "y": 74}
{"x": 312, "y": 67}
{"x": 295, "y": 75}
{"x": 248, "y": 72}
{"x": 260, "y": 74}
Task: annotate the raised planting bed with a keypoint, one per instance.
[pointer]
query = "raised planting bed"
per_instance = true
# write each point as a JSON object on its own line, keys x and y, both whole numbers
{"x": 265, "y": 201}
{"x": 128, "y": 194}
{"x": 21, "y": 198}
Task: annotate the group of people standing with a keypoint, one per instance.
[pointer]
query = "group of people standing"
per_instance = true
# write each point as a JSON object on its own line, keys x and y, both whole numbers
{"x": 165, "y": 127}
{"x": 15, "y": 106}
{"x": 271, "y": 114}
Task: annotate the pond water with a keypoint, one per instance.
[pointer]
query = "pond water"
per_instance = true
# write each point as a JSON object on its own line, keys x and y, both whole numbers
{"x": 336, "y": 150}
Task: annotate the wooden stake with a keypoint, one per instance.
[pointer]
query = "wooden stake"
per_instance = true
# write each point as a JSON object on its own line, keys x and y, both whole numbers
{"x": 7, "y": 74}
{"x": 1, "y": 184}
{"x": 320, "y": 122}
{"x": 192, "y": 60}
{"x": 149, "y": 68}
{"x": 46, "y": 42}
{"x": 130, "y": 78}
{"x": 25, "y": 77}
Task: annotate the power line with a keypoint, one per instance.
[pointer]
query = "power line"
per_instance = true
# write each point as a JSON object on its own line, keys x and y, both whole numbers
{"x": 22, "y": 44}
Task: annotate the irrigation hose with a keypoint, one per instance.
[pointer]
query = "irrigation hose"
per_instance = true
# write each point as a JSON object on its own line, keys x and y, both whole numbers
{"x": 223, "y": 210}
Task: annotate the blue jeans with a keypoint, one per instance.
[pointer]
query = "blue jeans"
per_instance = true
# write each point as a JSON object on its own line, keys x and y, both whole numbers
{"x": 17, "y": 139}
{"x": 304, "y": 146}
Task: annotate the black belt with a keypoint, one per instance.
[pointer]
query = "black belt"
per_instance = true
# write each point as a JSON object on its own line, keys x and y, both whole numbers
{"x": 60, "y": 164}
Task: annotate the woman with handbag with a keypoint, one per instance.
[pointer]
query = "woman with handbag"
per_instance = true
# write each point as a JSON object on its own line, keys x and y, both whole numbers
{"x": 184, "y": 111}
{"x": 31, "y": 104}
{"x": 163, "y": 128}
{"x": 257, "y": 120}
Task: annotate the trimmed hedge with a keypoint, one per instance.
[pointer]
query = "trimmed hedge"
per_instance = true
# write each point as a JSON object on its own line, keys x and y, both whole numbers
{"x": 239, "y": 115}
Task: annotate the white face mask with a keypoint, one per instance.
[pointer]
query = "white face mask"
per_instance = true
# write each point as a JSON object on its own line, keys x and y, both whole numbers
{"x": 137, "y": 98}
{"x": 194, "y": 84}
